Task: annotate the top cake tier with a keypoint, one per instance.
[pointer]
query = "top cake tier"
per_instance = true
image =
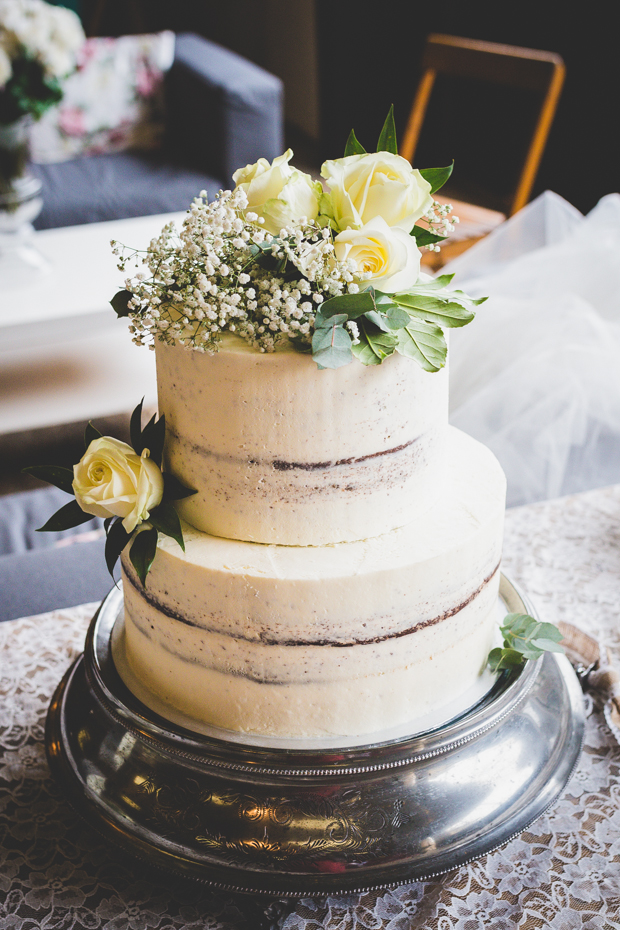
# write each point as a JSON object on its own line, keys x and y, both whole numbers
{"x": 282, "y": 452}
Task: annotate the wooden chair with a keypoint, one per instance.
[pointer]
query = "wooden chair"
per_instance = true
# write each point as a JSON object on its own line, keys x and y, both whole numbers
{"x": 523, "y": 68}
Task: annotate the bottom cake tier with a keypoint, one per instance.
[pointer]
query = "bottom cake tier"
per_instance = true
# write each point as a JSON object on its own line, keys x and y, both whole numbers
{"x": 336, "y": 640}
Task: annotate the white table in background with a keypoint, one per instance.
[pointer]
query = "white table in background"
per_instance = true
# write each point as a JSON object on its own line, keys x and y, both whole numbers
{"x": 64, "y": 356}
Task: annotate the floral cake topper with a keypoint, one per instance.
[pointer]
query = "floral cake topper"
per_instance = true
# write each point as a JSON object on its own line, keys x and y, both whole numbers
{"x": 334, "y": 270}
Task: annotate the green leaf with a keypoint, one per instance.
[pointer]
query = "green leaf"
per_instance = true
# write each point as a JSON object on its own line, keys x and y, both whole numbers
{"x": 500, "y": 659}
{"x": 387, "y": 140}
{"x": 135, "y": 429}
{"x": 435, "y": 310}
{"x": 331, "y": 346}
{"x": 374, "y": 345}
{"x": 547, "y": 645}
{"x": 353, "y": 147}
{"x": 353, "y": 305}
{"x": 424, "y": 342}
{"x": 396, "y": 317}
{"x": 436, "y": 177}
{"x": 116, "y": 540}
{"x": 425, "y": 236}
{"x": 165, "y": 519}
{"x": 69, "y": 515}
{"x": 174, "y": 490}
{"x": 528, "y": 637}
{"x": 153, "y": 437}
{"x": 119, "y": 303}
{"x": 54, "y": 474}
{"x": 90, "y": 434}
{"x": 142, "y": 552}
{"x": 379, "y": 320}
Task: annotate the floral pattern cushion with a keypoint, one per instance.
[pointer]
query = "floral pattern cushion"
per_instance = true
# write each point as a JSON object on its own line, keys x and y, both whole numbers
{"x": 112, "y": 102}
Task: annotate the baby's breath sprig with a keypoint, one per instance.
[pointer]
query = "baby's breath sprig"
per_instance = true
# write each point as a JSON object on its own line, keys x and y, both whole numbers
{"x": 223, "y": 273}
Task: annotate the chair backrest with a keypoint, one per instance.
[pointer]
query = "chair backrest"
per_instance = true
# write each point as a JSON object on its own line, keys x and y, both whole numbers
{"x": 523, "y": 68}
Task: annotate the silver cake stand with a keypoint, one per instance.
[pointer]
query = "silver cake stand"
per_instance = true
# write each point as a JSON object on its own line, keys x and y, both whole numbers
{"x": 302, "y": 821}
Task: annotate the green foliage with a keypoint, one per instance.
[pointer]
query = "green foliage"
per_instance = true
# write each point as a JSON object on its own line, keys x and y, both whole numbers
{"x": 142, "y": 552}
{"x": 90, "y": 434}
{"x": 353, "y": 147}
{"x": 165, "y": 519}
{"x": 54, "y": 474}
{"x": 120, "y": 303}
{"x": 151, "y": 437}
{"x": 68, "y": 516}
{"x": 28, "y": 91}
{"x": 117, "y": 538}
{"x": 436, "y": 177}
{"x": 425, "y": 236}
{"x": 524, "y": 638}
{"x": 387, "y": 141}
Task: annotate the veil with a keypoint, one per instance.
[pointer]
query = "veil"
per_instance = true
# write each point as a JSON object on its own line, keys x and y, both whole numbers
{"x": 536, "y": 377}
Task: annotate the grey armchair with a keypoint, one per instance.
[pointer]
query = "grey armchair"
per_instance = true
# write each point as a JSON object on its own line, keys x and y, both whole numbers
{"x": 224, "y": 113}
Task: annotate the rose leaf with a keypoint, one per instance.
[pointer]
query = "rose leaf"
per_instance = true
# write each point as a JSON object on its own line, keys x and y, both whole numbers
{"x": 174, "y": 490}
{"x": 69, "y": 515}
{"x": 116, "y": 540}
{"x": 387, "y": 140}
{"x": 165, "y": 519}
{"x": 425, "y": 236}
{"x": 142, "y": 552}
{"x": 353, "y": 147}
{"x": 135, "y": 429}
{"x": 153, "y": 437}
{"x": 54, "y": 474}
{"x": 120, "y": 303}
{"x": 436, "y": 177}
{"x": 90, "y": 434}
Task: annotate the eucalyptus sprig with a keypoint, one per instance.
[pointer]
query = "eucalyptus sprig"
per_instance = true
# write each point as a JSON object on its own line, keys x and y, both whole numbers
{"x": 524, "y": 638}
{"x": 126, "y": 485}
{"x": 409, "y": 323}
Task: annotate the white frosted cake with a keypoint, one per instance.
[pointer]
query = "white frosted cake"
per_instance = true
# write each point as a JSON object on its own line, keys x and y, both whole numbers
{"x": 342, "y": 552}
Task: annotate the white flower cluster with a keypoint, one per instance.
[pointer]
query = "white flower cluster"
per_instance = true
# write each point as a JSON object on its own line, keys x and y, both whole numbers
{"x": 49, "y": 34}
{"x": 224, "y": 273}
{"x": 440, "y": 221}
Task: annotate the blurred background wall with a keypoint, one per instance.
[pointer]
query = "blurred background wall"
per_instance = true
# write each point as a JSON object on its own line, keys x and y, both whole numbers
{"x": 343, "y": 67}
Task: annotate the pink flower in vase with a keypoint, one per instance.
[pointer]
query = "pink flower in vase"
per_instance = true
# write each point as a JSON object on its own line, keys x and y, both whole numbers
{"x": 147, "y": 80}
{"x": 71, "y": 121}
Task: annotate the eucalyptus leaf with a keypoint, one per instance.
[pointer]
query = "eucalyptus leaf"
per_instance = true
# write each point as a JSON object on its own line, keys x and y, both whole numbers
{"x": 424, "y": 342}
{"x": 90, "y": 434}
{"x": 353, "y": 305}
{"x": 396, "y": 317}
{"x": 424, "y": 236}
{"x": 142, "y": 552}
{"x": 174, "y": 490}
{"x": 353, "y": 147}
{"x": 379, "y": 320}
{"x": 500, "y": 659}
{"x": 331, "y": 346}
{"x": 526, "y": 637}
{"x": 547, "y": 645}
{"x": 434, "y": 310}
{"x": 387, "y": 141}
{"x": 436, "y": 177}
{"x": 68, "y": 516}
{"x": 116, "y": 540}
{"x": 54, "y": 474}
{"x": 120, "y": 301}
{"x": 165, "y": 519}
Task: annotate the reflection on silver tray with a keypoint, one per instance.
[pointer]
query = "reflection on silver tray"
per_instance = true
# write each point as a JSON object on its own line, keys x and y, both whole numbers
{"x": 298, "y": 821}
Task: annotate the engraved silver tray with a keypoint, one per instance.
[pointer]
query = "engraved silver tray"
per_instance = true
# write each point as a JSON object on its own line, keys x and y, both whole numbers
{"x": 291, "y": 821}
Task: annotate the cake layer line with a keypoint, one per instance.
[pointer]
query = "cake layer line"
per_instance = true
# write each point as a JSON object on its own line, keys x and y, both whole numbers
{"x": 164, "y": 609}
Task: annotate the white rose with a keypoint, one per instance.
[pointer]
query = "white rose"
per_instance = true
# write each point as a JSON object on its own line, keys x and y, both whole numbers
{"x": 386, "y": 257}
{"x": 376, "y": 184}
{"x": 278, "y": 192}
{"x": 112, "y": 481}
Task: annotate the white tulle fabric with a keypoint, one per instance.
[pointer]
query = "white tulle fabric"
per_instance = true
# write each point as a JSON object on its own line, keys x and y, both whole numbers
{"x": 536, "y": 377}
{"x": 563, "y": 873}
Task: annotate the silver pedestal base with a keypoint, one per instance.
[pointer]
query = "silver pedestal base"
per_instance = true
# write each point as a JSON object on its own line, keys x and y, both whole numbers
{"x": 295, "y": 822}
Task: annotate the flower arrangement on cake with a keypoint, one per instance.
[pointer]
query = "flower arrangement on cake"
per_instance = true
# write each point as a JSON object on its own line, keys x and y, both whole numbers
{"x": 334, "y": 270}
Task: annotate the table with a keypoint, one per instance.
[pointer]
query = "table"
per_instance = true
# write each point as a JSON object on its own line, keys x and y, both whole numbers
{"x": 563, "y": 873}
{"x": 64, "y": 357}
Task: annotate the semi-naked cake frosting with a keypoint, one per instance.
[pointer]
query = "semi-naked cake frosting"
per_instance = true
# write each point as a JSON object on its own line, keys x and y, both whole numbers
{"x": 341, "y": 568}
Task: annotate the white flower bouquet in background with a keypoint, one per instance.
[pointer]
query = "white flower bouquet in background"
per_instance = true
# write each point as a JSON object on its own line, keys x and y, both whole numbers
{"x": 38, "y": 47}
{"x": 333, "y": 269}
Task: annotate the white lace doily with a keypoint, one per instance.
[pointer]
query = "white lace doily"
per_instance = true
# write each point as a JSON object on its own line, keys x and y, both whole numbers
{"x": 561, "y": 874}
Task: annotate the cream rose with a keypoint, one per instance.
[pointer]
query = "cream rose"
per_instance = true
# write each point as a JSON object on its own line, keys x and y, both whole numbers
{"x": 386, "y": 257}
{"x": 110, "y": 480}
{"x": 278, "y": 192}
{"x": 377, "y": 184}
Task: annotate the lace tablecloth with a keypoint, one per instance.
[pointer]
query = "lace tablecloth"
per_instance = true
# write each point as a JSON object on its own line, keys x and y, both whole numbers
{"x": 562, "y": 873}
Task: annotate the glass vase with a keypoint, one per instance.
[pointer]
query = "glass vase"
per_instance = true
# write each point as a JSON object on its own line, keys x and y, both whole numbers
{"x": 20, "y": 204}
